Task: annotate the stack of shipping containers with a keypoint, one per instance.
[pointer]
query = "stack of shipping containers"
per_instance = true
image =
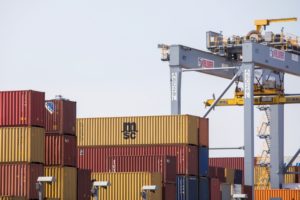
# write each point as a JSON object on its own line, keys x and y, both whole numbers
{"x": 61, "y": 150}
{"x": 137, "y": 151}
{"x": 22, "y": 122}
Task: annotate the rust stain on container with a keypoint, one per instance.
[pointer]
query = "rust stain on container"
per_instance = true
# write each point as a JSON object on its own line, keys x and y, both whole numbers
{"x": 22, "y": 108}
{"x": 61, "y": 116}
{"x": 95, "y": 158}
{"x": 65, "y": 187}
{"x": 60, "y": 150}
{"x": 19, "y": 179}
{"x": 203, "y": 132}
{"x": 173, "y": 129}
{"x": 283, "y": 194}
{"x": 84, "y": 184}
{"x": 129, "y": 185}
{"x": 22, "y": 144}
{"x": 166, "y": 165}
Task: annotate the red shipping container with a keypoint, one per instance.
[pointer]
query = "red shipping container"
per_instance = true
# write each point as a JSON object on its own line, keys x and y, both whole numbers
{"x": 61, "y": 116}
{"x": 247, "y": 190}
{"x": 95, "y": 158}
{"x": 22, "y": 108}
{"x": 84, "y": 184}
{"x": 215, "y": 192}
{"x": 169, "y": 191}
{"x": 60, "y": 150}
{"x": 166, "y": 165}
{"x": 20, "y": 179}
{"x": 227, "y": 162}
{"x": 203, "y": 136}
{"x": 217, "y": 172}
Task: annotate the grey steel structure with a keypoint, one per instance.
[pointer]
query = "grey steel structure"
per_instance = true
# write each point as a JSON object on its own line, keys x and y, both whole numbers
{"x": 182, "y": 58}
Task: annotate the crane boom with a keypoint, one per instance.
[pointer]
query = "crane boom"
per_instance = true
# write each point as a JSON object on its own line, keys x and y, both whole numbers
{"x": 265, "y": 22}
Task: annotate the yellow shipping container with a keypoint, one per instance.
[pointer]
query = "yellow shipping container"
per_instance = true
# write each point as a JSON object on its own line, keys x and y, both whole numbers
{"x": 12, "y": 198}
{"x": 229, "y": 175}
{"x": 65, "y": 187}
{"x": 129, "y": 185}
{"x": 22, "y": 144}
{"x": 172, "y": 129}
{"x": 283, "y": 194}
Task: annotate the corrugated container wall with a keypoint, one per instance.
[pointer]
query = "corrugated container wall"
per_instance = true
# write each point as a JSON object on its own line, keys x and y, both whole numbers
{"x": 12, "y": 198}
{"x": 215, "y": 193}
{"x": 84, "y": 184}
{"x": 173, "y": 129}
{"x": 129, "y": 185}
{"x": 203, "y": 132}
{"x": 95, "y": 159}
{"x": 22, "y": 144}
{"x": 60, "y": 116}
{"x": 65, "y": 187}
{"x": 169, "y": 191}
{"x": 203, "y": 161}
{"x": 60, "y": 150}
{"x": 227, "y": 162}
{"x": 19, "y": 179}
{"x": 283, "y": 194}
{"x": 166, "y": 165}
{"x": 187, "y": 187}
{"x": 22, "y": 108}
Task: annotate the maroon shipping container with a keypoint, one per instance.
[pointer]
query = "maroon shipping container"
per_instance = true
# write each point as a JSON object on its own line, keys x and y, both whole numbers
{"x": 169, "y": 191}
{"x": 247, "y": 190}
{"x": 215, "y": 192}
{"x": 203, "y": 132}
{"x": 60, "y": 116}
{"x": 217, "y": 172}
{"x": 20, "y": 179}
{"x": 60, "y": 150}
{"x": 166, "y": 165}
{"x": 227, "y": 162}
{"x": 84, "y": 184}
{"x": 22, "y": 108}
{"x": 95, "y": 158}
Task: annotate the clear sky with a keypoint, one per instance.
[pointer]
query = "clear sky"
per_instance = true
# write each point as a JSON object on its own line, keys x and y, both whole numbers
{"x": 103, "y": 54}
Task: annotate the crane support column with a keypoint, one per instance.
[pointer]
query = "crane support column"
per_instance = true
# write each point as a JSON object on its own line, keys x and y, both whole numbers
{"x": 175, "y": 81}
{"x": 277, "y": 145}
{"x": 248, "y": 76}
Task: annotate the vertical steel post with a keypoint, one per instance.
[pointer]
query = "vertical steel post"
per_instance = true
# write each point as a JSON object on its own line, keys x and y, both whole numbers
{"x": 277, "y": 145}
{"x": 175, "y": 83}
{"x": 248, "y": 75}
{"x": 40, "y": 190}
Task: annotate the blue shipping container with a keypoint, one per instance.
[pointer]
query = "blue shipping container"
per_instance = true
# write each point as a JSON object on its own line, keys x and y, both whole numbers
{"x": 238, "y": 177}
{"x": 203, "y": 188}
{"x": 203, "y": 161}
{"x": 186, "y": 188}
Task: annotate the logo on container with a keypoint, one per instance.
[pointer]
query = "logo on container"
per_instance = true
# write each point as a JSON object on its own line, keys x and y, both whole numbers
{"x": 129, "y": 130}
{"x": 50, "y": 107}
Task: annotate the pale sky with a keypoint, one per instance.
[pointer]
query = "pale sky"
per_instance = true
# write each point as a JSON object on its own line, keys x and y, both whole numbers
{"x": 103, "y": 54}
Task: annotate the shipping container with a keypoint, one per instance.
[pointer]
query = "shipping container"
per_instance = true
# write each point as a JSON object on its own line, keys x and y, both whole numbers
{"x": 187, "y": 187}
{"x": 65, "y": 186}
{"x": 238, "y": 177}
{"x": 203, "y": 188}
{"x": 203, "y": 132}
{"x": 12, "y": 198}
{"x": 169, "y": 191}
{"x": 227, "y": 162}
{"x": 61, "y": 116}
{"x": 166, "y": 165}
{"x": 60, "y": 150}
{"x": 173, "y": 129}
{"x": 129, "y": 185}
{"x": 215, "y": 192}
{"x": 283, "y": 194}
{"x": 217, "y": 172}
{"x": 95, "y": 158}
{"x": 84, "y": 184}
{"x": 22, "y": 144}
{"x": 19, "y": 179}
{"x": 203, "y": 161}
{"x": 22, "y": 108}
{"x": 247, "y": 190}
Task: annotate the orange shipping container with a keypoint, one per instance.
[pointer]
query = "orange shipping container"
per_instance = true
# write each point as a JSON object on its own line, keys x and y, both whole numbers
{"x": 129, "y": 185}
{"x": 171, "y": 129}
{"x": 22, "y": 144}
{"x": 203, "y": 132}
{"x": 283, "y": 194}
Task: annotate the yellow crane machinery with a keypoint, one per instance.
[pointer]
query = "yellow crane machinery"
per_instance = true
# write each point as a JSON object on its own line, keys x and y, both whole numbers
{"x": 260, "y": 23}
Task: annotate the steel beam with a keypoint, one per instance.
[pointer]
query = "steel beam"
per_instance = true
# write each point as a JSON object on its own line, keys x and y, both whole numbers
{"x": 271, "y": 58}
{"x": 189, "y": 58}
{"x": 248, "y": 75}
{"x": 277, "y": 145}
{"x": 175, "y": 83}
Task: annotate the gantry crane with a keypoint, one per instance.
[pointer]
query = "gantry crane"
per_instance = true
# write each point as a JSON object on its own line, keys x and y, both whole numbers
{"x": 239, "y": 58}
